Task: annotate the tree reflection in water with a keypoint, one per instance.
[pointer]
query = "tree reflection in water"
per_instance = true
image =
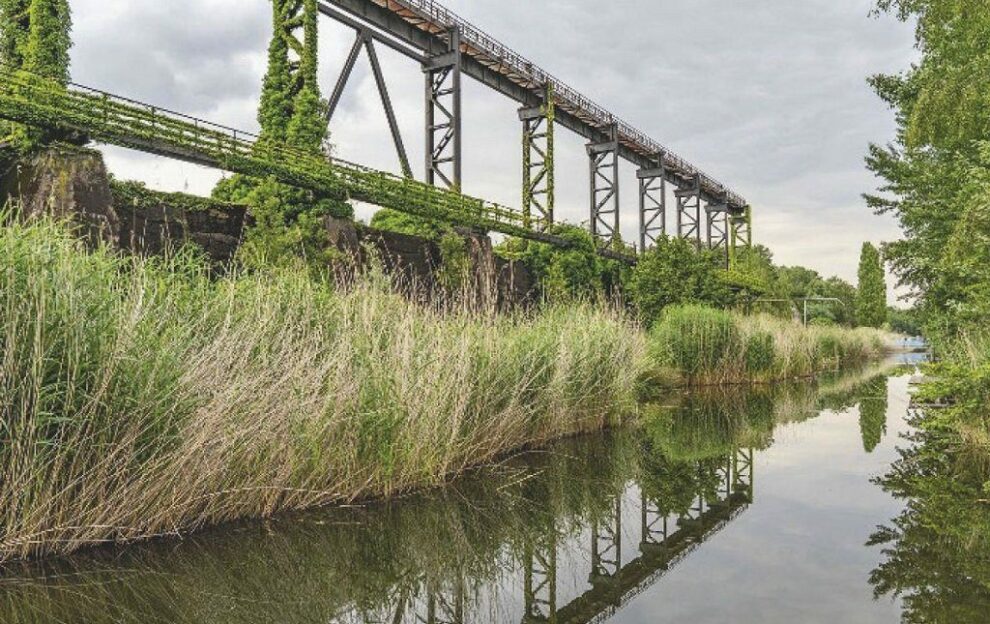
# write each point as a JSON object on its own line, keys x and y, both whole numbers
{"x": 937, "y": 551}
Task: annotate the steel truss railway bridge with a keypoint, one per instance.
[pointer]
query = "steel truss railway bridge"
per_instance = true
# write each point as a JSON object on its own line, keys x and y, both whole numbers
{"x": 666, "y": 539}
{"x": 446, "y": 47}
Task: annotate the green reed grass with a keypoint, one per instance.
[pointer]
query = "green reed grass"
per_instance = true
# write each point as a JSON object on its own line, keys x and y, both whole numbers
{"x": 707, "y": 346}
{"x": 141, "y": 397}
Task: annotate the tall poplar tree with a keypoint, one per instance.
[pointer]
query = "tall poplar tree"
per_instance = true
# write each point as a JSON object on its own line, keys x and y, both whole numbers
{"x": 871, "y": 295}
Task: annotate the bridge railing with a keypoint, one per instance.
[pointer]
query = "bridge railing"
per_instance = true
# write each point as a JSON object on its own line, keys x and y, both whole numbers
{"x": 111, "y": 118}
{"x": 565, "y": 95}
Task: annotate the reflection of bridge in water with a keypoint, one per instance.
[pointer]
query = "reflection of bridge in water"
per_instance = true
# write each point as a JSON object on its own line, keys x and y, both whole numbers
{"x": 666, "y": 538}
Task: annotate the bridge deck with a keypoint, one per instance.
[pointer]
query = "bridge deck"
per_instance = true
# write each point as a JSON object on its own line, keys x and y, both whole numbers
{"x": 119, "y": 121}
{"x": 421, "y": 23}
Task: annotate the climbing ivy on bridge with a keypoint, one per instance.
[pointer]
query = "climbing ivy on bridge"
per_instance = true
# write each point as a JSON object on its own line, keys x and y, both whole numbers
{"x": 35, "y": 37}
{"x": 288, "y": 219}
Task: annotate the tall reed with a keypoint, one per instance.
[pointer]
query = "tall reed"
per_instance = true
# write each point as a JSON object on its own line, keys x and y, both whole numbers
{"x": 706, "y": 346}
{"x": 140, "y": 397}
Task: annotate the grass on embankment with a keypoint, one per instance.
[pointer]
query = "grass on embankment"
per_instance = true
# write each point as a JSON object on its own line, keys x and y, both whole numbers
{"x": 702, "y": 346}
{"x": 140, "y": 397}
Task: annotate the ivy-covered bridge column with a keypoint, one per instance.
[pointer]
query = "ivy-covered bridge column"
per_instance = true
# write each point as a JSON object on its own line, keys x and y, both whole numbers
{"x": 538, "y": 167}
{"x": 740, "y": 233}
{"x": 604, "y": 191}
{"x": 717, "y": 227}
{"x": 689, "y": 211}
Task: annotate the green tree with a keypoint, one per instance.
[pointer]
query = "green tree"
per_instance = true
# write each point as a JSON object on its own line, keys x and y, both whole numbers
{"x": 935, "y": 172}
{"x": 871, "y": 295}
{"x": 674, "y": 272}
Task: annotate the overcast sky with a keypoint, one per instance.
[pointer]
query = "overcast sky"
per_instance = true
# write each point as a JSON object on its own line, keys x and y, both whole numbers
{"x": 768, "y": 96}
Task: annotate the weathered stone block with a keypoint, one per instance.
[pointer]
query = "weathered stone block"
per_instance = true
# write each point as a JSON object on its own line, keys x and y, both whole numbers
{"x": 68, "y": 183}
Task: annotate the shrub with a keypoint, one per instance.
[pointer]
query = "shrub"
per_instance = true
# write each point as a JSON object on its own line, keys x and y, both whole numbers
{"x": 675, "y": 273}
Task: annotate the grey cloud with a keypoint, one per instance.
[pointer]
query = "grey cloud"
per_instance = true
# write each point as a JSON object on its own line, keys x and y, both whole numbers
{"x": 768, "y": 95}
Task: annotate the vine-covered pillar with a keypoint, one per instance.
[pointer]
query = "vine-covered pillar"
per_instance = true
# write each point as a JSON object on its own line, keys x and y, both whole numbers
{"x": 740, "y": 233}
{"x": 717, "y": 228}
{"x": 538, "y": 161}
{"x": 291, "y": 108}
{"x": 443, "y": 114}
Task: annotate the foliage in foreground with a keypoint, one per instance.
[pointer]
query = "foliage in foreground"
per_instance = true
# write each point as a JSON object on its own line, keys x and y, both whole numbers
{"x": 140, "y": 397}
{"x": 937, "y": 184}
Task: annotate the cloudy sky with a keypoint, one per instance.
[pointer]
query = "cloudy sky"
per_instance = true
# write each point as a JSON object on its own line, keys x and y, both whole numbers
{"x": 768, "y": 96}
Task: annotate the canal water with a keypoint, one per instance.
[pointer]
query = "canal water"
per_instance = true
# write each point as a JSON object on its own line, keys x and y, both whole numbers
{"x": 757, "y": 505}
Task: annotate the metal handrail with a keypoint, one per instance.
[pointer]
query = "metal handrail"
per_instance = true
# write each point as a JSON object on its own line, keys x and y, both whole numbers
{"x": 564, "y": 94}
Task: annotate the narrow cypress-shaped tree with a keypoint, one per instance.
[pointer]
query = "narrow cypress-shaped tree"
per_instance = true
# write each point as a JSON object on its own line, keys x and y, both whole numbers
{"x": 871, "y": 296}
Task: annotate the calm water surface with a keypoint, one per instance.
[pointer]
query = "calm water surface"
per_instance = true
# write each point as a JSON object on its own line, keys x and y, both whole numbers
{"x": 752, "y": 506}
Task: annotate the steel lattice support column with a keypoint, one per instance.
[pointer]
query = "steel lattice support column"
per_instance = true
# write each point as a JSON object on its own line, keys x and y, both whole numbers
{"x": 652, "y": 204}
{"x": 717, "y": 227}
{"x": 443, "y": 114}
{"x": 538, "y": 164}
{"x": 604, "y": 170}
{"x": 740, "y": 233}
{"x": 742, "y": 469}
{"x": 540, "y": 581}
{"x": 606, "y": 545}
{"x": 653, "y": 524}
{"x": 689, "y": 211}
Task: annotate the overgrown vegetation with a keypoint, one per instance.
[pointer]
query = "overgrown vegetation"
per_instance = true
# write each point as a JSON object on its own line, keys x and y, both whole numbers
{"x": 125, "y": 383}
{"x": 288, "y": 220}
{"x": 576, "y": 272}
{"x": 705, "y": 346}
{"x": 936, "y": 182}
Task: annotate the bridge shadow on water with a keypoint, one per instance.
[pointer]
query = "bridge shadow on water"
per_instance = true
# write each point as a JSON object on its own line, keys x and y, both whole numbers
{"x": 571, "y": 533}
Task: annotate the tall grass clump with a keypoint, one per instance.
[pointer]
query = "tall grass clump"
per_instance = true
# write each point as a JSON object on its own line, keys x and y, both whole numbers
{"x": 140, "y": 397}
{"x": 704, "y": 346}
{"x": 695, "y": 340}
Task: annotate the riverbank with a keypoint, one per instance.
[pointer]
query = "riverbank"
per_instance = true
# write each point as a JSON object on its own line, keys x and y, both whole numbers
{"x": 143, "y": 397}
